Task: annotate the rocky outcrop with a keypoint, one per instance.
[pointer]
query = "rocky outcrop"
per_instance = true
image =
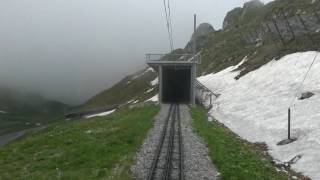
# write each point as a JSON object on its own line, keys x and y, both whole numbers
{"x": 251, "y": 5}
{"x": 289, "y": 28}
{"x": 237, "y": 14}
{"x": 201, "y": 32}
{"x": 232, "y": 17}
{"x": 310, "y": 20}
{"x": 306, "y": 95}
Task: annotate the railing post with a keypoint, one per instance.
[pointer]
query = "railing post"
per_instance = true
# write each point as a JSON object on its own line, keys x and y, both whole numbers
{"x": 289, "y": 123}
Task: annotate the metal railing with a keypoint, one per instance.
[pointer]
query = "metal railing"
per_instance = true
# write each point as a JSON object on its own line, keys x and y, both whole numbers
{"x": 204, "y": 94}
{"x": 174, "y": 57}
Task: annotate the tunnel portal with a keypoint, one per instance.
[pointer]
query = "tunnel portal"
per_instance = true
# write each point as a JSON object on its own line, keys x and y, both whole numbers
{"x": 177, "y": 76}
{"x": 176, "y": 83}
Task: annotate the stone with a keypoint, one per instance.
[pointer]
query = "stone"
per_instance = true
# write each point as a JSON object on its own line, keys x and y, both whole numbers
{"x": 306, "y": 95}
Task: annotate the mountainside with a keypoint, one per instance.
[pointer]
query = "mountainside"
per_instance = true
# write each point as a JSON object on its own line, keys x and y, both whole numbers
{"x": 235, "y": 16}
{"x": 265, "y": 60}
{"x": 250, "y": 37}
{"x": 253, "y": 38}
{"x": 133, "y": 88}
{"x": 22, "y": 110}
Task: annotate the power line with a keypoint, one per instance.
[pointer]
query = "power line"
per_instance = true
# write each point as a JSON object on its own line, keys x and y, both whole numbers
{"x": 168, "y": 21}
{"x": 305, "y": 77}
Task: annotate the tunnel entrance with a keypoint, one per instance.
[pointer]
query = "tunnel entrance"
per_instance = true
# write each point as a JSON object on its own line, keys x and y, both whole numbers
{"x": 176, "y": 84}
{"x": 177, "y": 76}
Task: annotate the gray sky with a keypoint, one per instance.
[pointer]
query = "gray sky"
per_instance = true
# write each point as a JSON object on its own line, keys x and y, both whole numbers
{"x": 69, "y": 50}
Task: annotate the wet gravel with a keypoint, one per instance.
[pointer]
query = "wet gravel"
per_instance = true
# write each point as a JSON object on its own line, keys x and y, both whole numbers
{"x": 197, "y": 163}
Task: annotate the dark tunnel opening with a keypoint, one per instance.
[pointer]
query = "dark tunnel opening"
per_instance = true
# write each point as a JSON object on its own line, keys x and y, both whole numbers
{"x": 176, "y": 84}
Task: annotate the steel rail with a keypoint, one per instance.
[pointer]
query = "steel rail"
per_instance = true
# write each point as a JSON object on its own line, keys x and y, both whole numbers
{"x": 168, "y": 165}
{"x": 171, "y": 134}
{"x": 181, "y": 167}
{"x": 159, "y": 147}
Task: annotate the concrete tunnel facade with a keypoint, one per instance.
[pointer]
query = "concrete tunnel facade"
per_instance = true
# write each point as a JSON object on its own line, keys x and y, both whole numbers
{"x": 177, "y": 76}
{"x": 176, "y": 82}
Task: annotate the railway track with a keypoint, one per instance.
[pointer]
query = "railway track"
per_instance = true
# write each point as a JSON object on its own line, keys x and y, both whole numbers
{"x": 168, "y": 158}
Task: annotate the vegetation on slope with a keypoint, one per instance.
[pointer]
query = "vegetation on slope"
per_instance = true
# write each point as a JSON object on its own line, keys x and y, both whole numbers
{"x": 130, "y": 88}
{"x": 100, "y": 148}
{"x": 234, "y": 157}
{"x": 24, "y": 110}
{"x": 229, "y": 46}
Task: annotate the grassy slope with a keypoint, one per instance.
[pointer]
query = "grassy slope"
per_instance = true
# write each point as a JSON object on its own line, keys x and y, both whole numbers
{"x": 124, "y": 91}
{"x": 102, "y": 148}
{"x": 220, "y": 50}
{"x": 25, "y": 110}
{"x": 234, "y": 157}
{"x": 16, "y": 122}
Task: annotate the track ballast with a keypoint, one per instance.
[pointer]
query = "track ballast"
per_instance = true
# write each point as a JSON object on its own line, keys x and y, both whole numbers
{"x": 168, "y": 158}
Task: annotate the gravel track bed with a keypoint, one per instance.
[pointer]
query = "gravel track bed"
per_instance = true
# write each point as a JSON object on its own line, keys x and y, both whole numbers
{"x": 197, "y": 163}
{"x": 145, "y": 156}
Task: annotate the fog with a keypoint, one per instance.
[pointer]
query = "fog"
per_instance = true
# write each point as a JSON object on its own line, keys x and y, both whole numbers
{"x": 69, "y": 50}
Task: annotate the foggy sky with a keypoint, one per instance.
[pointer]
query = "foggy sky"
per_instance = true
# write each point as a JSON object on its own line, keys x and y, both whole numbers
{"x": 69, "y": 50}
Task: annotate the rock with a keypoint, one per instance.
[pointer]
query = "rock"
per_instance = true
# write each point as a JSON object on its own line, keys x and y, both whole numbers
{"x": 202, "y": 31}
{"x": 306, "y": 95}
{"x": 234, "y": 16}
{"x": 251, "y": 5}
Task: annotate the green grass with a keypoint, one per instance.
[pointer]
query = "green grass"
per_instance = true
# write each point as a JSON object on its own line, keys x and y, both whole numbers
{"x": 26, "y": 110}
{"x": 16, "y": 122}
{"x": 101, "y": 148}
{"x": 124, "y": 91}
{"x": 234, "y": 157}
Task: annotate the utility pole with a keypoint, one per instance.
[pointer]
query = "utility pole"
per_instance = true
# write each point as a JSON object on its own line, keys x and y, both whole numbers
{"x": 194, "y": 65}
{"x": 194, "y": 34}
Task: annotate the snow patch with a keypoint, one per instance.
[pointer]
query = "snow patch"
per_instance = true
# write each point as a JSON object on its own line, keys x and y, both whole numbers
{"x": 255, "y": 107}
{"x": 153, "y": 99}
{"x": 143, "y": 73}
{"x": 100, "y": 114}
{"x": 155, "y": 81}
{"x": 136, "y": 101}
{"x": 3, "y": 112}
{"x": 149, "y": 90}
{"x": 130, "y": 101}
